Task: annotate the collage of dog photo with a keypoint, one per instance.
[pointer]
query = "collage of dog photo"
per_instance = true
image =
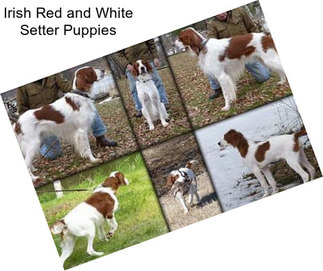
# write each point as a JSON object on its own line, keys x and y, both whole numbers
{"x": 187, "y": 125}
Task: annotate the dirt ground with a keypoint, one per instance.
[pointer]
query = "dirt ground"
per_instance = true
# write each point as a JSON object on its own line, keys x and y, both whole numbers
{"x": 195, "y": 90}
{"x": 114, "y": 117}
{"x": 171, "y": 155}
{"x": 178, "y": 122}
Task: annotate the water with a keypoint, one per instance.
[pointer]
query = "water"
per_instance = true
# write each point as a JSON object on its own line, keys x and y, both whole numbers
{"x": 226, "y": 167}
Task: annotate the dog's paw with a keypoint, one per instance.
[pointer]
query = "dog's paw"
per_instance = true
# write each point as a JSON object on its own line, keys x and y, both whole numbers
{"x": 281, "y": 83}
{"x": 165, "y": 124}
{"x": 151, "y": 128}
{"x": 96, "y": 160}
{"x": 225, "y": 108}
{"x": 109, "y": 236}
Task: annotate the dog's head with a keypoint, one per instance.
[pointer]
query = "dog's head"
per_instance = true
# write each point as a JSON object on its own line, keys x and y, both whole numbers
{"x": 191, "y": 39}
{"x": 174, "y": 176}
{"x": 115, "y": 180}
{"x": 141, "y": 67}
{"x": 231, "y": 138}
{"x": 85, "y": 77}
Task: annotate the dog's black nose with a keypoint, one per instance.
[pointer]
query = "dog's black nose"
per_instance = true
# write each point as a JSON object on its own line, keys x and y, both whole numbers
{"x": 143, "y": 69}
{"x": 219, "y": 143}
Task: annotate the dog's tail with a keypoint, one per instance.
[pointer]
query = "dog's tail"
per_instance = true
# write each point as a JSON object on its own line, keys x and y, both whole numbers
{"x": 297, "y": 135}
{"x": 190, "y": 163}
{"x": 300, "y": 133}
{"x": 58, "y": 227}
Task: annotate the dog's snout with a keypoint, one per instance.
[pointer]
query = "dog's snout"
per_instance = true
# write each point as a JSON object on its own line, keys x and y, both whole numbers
{"x": 143, "y": 69}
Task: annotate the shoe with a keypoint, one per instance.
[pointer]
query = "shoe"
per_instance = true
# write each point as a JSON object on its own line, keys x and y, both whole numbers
{"x": 138, "y": 114}
{"x": 215, "y": 94}
{"x": 102, "y": 141}
{"x": 167, "y": 106}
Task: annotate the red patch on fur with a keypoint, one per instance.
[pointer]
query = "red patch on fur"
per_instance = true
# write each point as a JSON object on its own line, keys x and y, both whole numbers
{"x": 85, "y": 77}
{"x": 267, "y": 43}
{"x": 261, "y": 151}
{"x": 103, "y": 202}
{"x": 236, "y": 139}
{"x": 297, "y": 135}
{"x": 47, "y": 112}
{"x": 75, "y": 107}
{"x": 18, "y": 128}
{"x": 171, "y": 180}
{"x": 238, "y": 47}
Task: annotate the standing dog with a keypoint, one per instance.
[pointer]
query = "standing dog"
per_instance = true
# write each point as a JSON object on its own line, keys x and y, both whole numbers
{"x": 148, "y": 94}
{"x": 182, "y": 182}
{"x": 69, "y": 117}
{"x": 258, "y": 156}
{"x": 83, "y": 220}
{"x": 224, "y": 59}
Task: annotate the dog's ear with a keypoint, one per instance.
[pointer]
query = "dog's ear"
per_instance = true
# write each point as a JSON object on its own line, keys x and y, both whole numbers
{"x": 170, "y": 181}
{"x": 85, "y": 77}
{"x": 189, "y": 38}
{"x": 120, "y": 177}
{"x": 134, "y": 70}
{"x": 233, "y": 137}
{"x": 148, "y": 66}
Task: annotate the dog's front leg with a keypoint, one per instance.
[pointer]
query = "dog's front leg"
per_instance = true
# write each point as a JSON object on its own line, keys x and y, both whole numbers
{"x": 82, "y": 145}
{"x": 270, "y": 179}
{"x": 101, "y": 232}
{"x": 262, "y": 181}
{"x": 180, "y": 198}
{"x": 148, "y": 118}
{"x": 113, "y": 227}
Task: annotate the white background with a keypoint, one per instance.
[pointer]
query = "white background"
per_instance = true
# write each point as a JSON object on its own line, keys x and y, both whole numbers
{"x": 283, "y": 232}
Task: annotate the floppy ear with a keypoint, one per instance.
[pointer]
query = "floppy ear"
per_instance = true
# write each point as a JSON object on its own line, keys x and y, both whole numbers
{"x": 233, "y": 137}
{"x": 85, "y": 78}
{"x": 170, "y": 181}
{"x": 120, "y": 178}
{"x": 134, "y": 70}
{"x": 148, "y": 66}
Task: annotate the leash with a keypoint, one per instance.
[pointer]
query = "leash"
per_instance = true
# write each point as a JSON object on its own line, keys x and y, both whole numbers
{"x": 65, "y": 190}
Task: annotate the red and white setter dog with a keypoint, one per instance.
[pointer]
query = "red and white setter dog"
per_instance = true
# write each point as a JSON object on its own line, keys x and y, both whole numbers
{"x": 258, "y": 156}
{"x": 181, "y": 182}
{"x": 148, "y": 94}
{"x": 69, "y": 117}
{"x": 83, "y": 220}
{"x": 224, "y": 59}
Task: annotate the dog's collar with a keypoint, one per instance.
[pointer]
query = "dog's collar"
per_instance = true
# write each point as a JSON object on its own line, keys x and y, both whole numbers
{"x": 203, "y": 43}
{"x": 143, "y": 80}
{"x": 202, "y": 46}
{"x": 79, "y": 92}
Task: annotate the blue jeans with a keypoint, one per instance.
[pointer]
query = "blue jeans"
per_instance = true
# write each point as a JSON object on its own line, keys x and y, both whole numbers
{"x": 51, "y": 146}
{"x": 257, "y": 69}
{"x": 158, "y": 82}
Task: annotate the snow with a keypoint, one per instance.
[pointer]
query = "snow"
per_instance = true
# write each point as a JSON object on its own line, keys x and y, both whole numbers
{"x": 226, "y": 167}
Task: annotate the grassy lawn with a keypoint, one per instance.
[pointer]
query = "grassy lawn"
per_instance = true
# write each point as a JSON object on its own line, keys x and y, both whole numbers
{"x": 136, "y": 224}
{"x": 116, "y": 121}
{"x": 195, "y": 90}
{"x": 178, "y": 122}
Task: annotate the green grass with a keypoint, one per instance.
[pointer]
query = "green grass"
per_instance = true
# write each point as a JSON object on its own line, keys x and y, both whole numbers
{"x": 139, "y": 216}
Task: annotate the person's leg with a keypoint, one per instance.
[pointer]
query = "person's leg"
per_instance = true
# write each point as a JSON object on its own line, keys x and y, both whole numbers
{"x": 51, "y": 147}
{"x": 159, "y": 84}
{"x": 215, "y": 87}
{"x": 99, "y": 130}
{"x": 133, "y": 90}
{"x": 98, "y": 127}
{"x": 258, "y": 70}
